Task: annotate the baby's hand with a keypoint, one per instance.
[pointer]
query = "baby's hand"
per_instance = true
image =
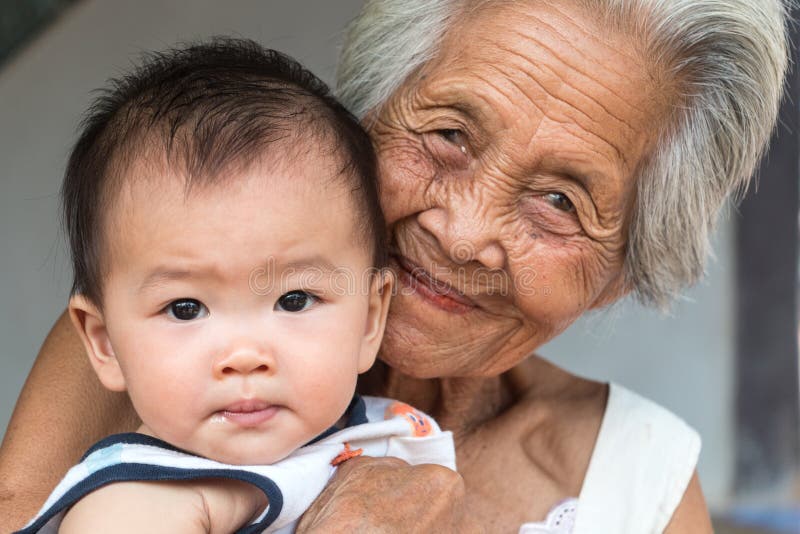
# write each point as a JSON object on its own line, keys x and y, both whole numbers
{"x": 204, "y": 505}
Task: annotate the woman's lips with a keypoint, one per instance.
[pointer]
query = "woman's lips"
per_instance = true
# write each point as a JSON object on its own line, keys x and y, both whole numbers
{"x": 440, "y": 294}
{"x": 249, "y": 413}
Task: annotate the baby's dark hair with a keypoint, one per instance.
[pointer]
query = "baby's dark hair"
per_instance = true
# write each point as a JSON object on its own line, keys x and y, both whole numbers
{"x": 207, "y": 109}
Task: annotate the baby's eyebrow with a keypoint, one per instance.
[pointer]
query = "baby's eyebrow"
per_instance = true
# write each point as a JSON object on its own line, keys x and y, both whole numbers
{"x": 312, "y": 262}
{"x": 159, "y": 276}
{"x": 162, "y": 274}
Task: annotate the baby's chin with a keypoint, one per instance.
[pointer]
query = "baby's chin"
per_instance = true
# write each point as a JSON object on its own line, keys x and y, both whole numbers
{"x": 144, "y": 429}
{"x": 255, "y": 454}
{"x": 244, "y": 457}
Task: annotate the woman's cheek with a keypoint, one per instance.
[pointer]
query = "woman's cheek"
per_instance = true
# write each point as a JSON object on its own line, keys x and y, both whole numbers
{"x": 549, "y": 273}
{"x": 405, "y": 170}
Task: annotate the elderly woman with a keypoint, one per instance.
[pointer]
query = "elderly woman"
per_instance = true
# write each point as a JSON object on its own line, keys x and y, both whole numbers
{"x": 585, "y": 146}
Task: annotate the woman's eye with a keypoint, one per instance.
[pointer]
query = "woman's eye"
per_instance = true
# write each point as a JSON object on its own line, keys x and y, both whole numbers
{"x": 560, "y": 201}
{"x": 295, "y": 301}
{"x": 454, "y": 137}
{"x": 186, "y": 309}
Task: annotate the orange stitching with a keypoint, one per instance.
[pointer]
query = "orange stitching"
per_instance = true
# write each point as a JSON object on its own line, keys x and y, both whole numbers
{"x": 346, "y": 454}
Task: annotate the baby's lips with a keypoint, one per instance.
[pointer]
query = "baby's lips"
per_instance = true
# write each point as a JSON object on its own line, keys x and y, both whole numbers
{"x": 246, "y": 406}
{"x": 249, "y": 415}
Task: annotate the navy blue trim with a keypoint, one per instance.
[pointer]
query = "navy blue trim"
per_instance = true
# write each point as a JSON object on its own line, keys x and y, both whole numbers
{"x": 137, "y": 472}
{"x": 356, "y": 414}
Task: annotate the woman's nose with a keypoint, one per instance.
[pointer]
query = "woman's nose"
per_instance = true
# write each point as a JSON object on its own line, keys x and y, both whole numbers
{"x": 244, "y": 359}
{"x": 464, "y": 235}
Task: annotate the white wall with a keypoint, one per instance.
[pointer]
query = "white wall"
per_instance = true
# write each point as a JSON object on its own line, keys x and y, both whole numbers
{"x": 684, "y": 363}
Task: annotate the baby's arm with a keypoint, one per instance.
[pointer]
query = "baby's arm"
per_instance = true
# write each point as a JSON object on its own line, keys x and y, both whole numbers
{"x": 205, "y": 505}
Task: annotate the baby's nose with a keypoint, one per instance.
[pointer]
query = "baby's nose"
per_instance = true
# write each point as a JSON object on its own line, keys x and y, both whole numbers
{"x": 244, "y": 360}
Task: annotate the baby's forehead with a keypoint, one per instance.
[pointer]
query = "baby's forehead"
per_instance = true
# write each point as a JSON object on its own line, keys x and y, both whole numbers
{"x": 296, "y": 167}
{"x": 294, "y": 192}
{"x": 200, "y": 113}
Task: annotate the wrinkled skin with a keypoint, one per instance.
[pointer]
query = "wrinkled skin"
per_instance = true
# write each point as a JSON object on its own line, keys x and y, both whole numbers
{"x": 555, "y": 115}
{"x": 539, "y": 197}
{"x": 508, "y": 168}
{"x": 340, "y": 507}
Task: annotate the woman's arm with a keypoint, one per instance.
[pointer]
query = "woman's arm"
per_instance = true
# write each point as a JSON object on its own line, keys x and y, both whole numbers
{"x": 692, "y": 512}
{"x": 61, "y": 411}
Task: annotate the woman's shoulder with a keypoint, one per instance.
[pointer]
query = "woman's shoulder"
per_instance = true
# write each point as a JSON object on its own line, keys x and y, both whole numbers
{"x": 555, "y": 398}
{"x": 627, "y": 411}
{"x": 627, "y": 458}
{"x": 644, "y": 431}
{"x": 641, "y": 465}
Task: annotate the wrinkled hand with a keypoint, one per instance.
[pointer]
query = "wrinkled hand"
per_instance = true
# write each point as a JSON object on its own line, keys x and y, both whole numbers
{"x": 388, "y": 495}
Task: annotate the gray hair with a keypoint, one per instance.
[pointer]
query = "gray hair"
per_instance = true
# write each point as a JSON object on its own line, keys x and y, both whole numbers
{"x": 727, "y": 58}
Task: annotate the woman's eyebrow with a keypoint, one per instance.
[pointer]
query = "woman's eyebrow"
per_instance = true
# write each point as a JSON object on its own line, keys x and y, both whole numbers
{"x": 472, "y": 112}
{"x": 467, "y": 105}
{"x": 593, "y": 177}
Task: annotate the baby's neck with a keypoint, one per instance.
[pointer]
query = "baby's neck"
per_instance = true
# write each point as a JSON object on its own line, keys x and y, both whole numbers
{"x": 457, "y": 404}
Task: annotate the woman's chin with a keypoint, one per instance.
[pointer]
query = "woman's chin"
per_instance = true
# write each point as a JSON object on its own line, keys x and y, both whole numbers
{"x": 429, "y": 350}
{"x": 424, "y": 341}
{"x": 419, "y": 342}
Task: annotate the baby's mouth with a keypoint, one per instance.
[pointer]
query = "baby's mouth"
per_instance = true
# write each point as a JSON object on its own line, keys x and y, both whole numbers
{"x": 248, "y": 413}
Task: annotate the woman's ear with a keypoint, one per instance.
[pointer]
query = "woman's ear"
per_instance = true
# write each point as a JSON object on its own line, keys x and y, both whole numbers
{"x": 91, "y": 327}
{"x": 380, "y": 293}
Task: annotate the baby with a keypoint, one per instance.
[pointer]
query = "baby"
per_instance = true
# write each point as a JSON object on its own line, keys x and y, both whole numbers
{"x": 228, "y": 252}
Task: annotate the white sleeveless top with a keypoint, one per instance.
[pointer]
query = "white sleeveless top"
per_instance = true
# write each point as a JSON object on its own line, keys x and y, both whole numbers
{"x": 640, "y": 468}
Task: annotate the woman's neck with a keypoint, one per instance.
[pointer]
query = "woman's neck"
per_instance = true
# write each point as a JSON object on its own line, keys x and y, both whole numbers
{"x": 458, "y": 404}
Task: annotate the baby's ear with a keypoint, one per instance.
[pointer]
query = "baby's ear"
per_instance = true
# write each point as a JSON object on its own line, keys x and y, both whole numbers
{"x": 91, "y": 327}
{"x": 380, "y": 293}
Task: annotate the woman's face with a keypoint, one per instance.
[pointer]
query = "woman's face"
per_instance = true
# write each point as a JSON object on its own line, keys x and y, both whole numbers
{"x": 508, "y": 171}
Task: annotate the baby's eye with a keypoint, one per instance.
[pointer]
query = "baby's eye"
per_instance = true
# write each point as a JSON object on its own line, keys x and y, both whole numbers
{"x": 186, "y": 309}
{"x": 560, "y": 201}
{"x": 295, "y": 301}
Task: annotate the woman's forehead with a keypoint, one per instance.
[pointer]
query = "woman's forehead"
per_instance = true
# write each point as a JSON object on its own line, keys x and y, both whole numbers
{"x": 546, "y": 79}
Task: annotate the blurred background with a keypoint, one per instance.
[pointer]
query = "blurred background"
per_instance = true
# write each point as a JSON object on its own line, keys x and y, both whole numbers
{"x": 726, "y": 359}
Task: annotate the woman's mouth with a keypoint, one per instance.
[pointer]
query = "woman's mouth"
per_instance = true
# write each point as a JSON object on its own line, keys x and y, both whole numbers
{"x": 417, "y": 280}
{"x": 249, "y": 413}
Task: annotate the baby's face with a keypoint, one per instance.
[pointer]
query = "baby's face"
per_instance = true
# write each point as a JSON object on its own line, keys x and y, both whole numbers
{"x": 240, "y": 315}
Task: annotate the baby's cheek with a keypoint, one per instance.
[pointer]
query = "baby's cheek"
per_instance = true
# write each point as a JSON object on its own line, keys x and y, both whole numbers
{"x": 325, "y": 394}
